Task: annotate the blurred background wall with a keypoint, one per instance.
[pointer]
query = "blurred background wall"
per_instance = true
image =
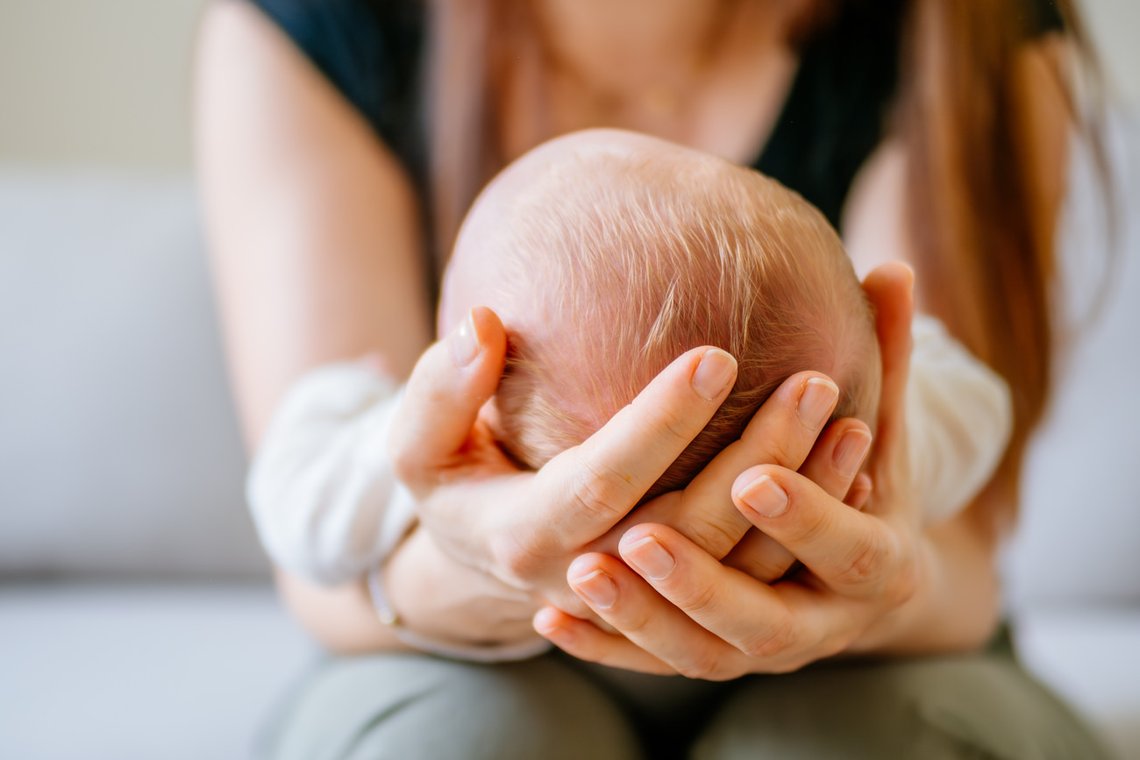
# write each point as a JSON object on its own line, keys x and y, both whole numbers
{"x": 96, "y": 82}
{"x": 106, "y": 82}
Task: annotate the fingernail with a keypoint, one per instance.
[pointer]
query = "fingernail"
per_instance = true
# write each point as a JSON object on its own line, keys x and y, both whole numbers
{"x": 714, "y": 374}
{"x": 850, "y": 452}
{"x": 464, "y": 342}
{"x": 599, "y": 588}
{"x": 765, "y": 497}
{"x": 650, "y": 558}
{"x": 816, "y": 402}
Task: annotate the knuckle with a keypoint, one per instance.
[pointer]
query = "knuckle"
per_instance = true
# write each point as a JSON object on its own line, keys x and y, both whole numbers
{"x": 700, "y": 666}
{"x": 676, "y": 427}
{"x": 807, "y": 526}
{"x": 716, "y": 534}
{"x": 517, "y": 560}
{"x": 634, "y": 623}
{"x": 864, "y": 564}
{"x": 404, "y": 463}
{"x": 599, "y": 494}
{"x": 782, "y": 450}
{"x": 904, "y": 580}
{"x": 698, "y": 601}
{"x": 770, "y": 642}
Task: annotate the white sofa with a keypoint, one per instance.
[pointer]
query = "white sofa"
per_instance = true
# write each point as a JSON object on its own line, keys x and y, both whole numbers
{"x": 136, "y": 618}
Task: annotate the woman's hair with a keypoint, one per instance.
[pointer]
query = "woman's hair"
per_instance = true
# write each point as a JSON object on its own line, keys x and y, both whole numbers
{"x": 979, "y": 218}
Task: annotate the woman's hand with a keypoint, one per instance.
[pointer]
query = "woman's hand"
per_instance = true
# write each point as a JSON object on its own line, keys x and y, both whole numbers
{"x": 680, "y": 610}
{"x": 524, "y": 528}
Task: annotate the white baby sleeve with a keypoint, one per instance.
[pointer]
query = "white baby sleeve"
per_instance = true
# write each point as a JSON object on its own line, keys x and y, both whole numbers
{"x": 959, "y": 420}
{"x": 325, "y": 501}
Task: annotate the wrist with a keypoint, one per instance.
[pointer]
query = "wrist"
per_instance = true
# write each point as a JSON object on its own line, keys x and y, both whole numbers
{"x": 441, "y": 606}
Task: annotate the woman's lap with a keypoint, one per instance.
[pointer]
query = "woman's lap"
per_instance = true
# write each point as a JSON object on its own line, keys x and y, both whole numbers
{"x": 397, "y": 706}
{"x": 970, "y": 706}
{"x": 413, "y": 706}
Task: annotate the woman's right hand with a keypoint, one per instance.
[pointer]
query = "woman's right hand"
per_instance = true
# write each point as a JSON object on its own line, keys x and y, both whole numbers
{"x": 524, "y": 528}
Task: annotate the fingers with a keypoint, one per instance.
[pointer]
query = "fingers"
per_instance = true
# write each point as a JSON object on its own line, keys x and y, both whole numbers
{"x": 836, "y": 459}
{"x": 621, "y": 599}
{"x": 584, "y": 640}
{"x": 860, "y": 492}
{"x": 761, "y": 557}
{"x": 853, "y": 553}
{"x": 593, "y": 486}
{"x": 776, "y": 629}
{"x": 449, "y": 384}
{"x": 890, "y": 288}
{"x": 713, "y": 596}
{"x": 782, "y": 432}
{"x": 834, "y": 466}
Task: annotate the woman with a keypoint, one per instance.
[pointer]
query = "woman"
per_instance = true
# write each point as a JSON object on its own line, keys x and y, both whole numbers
{"x": 929, "y": 131}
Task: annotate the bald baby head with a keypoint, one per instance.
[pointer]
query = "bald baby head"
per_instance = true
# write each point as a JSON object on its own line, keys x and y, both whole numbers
{"x": 607, "y": 254}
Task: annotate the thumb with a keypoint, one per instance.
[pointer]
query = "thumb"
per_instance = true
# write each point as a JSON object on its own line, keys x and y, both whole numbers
{"x": 890, "y": 288}
{"x": 449, "y": 384}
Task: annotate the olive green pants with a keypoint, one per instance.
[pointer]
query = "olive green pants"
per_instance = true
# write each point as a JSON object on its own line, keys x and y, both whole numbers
{"x": 412, "y": 706}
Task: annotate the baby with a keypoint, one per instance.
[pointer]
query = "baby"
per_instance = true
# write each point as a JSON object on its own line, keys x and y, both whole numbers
{"x": 608, "y": 254}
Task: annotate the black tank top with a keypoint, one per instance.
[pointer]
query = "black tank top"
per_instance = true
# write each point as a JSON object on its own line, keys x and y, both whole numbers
{"x": 372, "y": 51}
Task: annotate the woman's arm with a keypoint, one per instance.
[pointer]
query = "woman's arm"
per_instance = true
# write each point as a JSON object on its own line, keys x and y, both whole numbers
{"x": 314, "y": 235}
{"x": 312, "y": 224}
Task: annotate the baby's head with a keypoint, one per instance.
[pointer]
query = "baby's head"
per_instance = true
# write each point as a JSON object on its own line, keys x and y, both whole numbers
{"x": 608, "y": 254}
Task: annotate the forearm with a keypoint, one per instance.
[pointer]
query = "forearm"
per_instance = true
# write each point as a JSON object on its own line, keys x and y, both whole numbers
{"x": 449, "y": 603}
{"x": 434, "y": 597}
{"x": 956, "y": 605}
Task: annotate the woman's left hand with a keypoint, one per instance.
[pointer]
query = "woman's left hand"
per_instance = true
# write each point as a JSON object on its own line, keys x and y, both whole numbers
{"x": 678, "y": 609}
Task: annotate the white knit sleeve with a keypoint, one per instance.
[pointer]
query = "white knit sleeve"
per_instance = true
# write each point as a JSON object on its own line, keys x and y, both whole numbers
{"x": 321, "y": 488}
{"x": 959, "y": 420}
{"x": 326, "y": 503}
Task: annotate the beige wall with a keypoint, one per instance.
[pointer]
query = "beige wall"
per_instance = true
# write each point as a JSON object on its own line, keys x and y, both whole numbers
{"x": 105, "y": 82}
{"x": 1115, "y": 25}
{"x": 101, "y": 82}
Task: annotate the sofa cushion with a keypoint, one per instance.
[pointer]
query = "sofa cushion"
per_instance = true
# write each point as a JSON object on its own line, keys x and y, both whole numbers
{"x": 137, "y": 672}
{"x": 118, "y": 449}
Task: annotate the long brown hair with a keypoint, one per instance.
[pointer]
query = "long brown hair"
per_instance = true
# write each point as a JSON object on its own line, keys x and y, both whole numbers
{"x": 980, "y": 222}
